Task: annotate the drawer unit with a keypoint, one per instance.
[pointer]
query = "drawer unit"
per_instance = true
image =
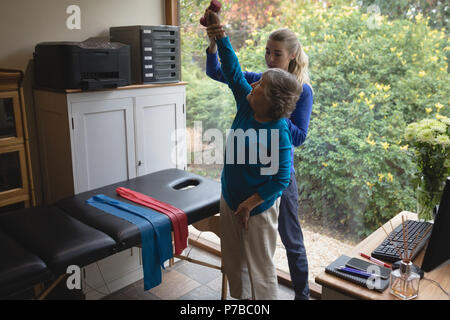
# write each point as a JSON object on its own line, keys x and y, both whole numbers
{"x": 155, "y": 52}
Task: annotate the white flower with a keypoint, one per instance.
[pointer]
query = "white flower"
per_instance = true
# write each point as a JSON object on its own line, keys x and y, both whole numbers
{"x": 438, "y": 127}
{"x": 443, "y": 140}
{"x": 426, "y": 135}
{"x": 426, "y": 123}
{"x": 447, "y": 163}
{"x": 444, "y": 119}
{"x": 410, "y": 131}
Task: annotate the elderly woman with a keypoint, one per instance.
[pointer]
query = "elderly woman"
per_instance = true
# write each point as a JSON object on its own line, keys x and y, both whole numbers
{"x": 284, "y": 51}
{"x": 252, "y": 185}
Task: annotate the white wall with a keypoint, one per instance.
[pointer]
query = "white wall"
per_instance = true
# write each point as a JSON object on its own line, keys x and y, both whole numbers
{"x": 24, "y": 23}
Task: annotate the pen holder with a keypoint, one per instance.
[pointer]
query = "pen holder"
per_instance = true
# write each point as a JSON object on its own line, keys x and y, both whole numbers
{"x": 405, "y": 281}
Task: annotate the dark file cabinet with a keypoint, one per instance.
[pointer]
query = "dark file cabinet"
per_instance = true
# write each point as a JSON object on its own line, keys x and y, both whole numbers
{"x": 155, "y": 52}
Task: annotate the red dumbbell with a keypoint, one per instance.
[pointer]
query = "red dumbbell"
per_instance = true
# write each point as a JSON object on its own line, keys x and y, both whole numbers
{"x": 214, "y": 6}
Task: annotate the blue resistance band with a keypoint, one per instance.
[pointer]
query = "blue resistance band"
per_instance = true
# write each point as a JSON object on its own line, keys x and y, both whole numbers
{"x": 155, "y": 231}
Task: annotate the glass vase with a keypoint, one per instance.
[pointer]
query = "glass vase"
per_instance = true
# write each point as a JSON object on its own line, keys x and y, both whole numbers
{"x": 405, "y": 282}
{"x": 426, "y": 201}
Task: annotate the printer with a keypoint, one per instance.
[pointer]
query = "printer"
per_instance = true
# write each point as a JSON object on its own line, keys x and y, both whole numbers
{"x": 91, "y": 64}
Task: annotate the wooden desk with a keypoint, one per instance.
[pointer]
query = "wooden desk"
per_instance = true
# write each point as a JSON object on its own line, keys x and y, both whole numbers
{"x": 336, "y": 288}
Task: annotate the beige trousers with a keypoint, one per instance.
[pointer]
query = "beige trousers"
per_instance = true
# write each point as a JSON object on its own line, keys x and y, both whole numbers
{"x": 248, "y": 255}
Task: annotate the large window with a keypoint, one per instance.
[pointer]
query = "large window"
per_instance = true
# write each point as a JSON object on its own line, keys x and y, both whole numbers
{"x": 375, "y": 66}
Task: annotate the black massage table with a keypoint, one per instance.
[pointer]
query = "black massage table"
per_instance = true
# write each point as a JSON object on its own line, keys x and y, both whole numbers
{"x": 38, "y": 244}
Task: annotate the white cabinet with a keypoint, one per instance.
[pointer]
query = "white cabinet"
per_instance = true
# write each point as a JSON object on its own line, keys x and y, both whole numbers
{"x": 92, "y": 139}
{"x": 158, "y": 116}
{"x": 103, "y": 142}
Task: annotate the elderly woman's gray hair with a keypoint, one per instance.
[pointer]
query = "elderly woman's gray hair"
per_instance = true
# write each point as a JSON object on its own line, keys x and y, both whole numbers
{"x": 282, "y": 89}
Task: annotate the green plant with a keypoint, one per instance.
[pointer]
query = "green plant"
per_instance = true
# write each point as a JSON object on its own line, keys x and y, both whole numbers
{"x": 430, "y": 139}
{"x": 436, "y": 10}
{"x": 354, "y": 170}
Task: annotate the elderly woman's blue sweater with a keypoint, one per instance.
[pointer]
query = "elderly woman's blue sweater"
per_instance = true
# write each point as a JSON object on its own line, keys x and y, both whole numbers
{"x": 243, "y": 172}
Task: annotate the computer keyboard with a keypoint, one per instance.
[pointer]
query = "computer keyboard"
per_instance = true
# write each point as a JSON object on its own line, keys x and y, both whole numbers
{"x": 386, "y": 251}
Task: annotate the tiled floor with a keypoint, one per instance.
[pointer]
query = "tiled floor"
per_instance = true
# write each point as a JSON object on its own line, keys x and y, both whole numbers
{"x": 187, "y": 281}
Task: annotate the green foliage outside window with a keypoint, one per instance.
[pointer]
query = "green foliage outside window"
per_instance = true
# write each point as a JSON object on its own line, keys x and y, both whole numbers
{"x": 371, "y": 75}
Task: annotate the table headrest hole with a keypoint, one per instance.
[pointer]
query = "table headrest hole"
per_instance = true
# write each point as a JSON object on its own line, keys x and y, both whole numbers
{"x": 186, "y": 184}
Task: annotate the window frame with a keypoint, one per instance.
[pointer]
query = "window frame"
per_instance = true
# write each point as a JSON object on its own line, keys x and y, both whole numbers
{"x": 172, "y": 12}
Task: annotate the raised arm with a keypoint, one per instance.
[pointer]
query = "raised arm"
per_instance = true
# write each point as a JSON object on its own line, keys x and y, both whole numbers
{"x": 232, "y": 70}
{"x": 213, "y": 66}
{"x": 214, "y": 69}
{"x": 229, "y": 62}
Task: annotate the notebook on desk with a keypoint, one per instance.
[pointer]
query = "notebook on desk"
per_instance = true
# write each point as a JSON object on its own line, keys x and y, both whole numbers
{"x": 378, "y": 284}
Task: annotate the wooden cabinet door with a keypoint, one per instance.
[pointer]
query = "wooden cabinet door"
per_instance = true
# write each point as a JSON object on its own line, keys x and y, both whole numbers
{"x": 103, "y": 147}
{"x": 13, "y": 175}
{"x": 13, "y": 167}
{"x": 10, "y": 119}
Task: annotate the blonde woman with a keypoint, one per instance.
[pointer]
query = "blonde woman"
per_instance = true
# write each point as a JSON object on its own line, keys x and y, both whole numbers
{"x": 284, "y": 51}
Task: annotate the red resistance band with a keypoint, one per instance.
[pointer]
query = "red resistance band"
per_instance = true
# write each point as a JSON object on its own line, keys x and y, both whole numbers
{"x": 176, "y": 216}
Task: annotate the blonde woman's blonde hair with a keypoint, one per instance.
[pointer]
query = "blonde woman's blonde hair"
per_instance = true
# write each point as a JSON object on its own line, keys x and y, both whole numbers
{"x": 299, "y": 65}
